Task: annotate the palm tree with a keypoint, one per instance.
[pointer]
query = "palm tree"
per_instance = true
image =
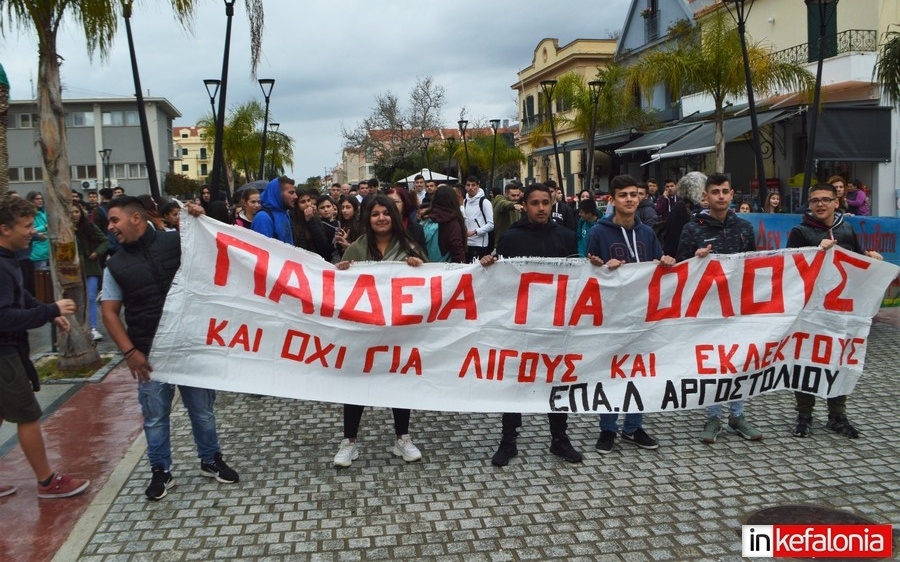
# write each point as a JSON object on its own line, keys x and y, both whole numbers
{"x": 242, "y": 140}
{"x": 616, "y": 106}
{"x": 4, "y": 150}
{"x": 713, "y": 64}
{"x": 98, "y": 20}
{"x": 481, "y": 149}
{"x": 888, "y": 67}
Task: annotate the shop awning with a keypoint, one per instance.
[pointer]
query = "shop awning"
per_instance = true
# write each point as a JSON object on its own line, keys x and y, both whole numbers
{"x": 854, "y": 134}
{"x": 702, "y": 139}
{"x": 654, "y": 140}
{"x": 600, "y": 141}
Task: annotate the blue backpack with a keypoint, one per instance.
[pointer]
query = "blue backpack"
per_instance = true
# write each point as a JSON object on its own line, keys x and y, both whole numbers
{"x": 431, "y": 242}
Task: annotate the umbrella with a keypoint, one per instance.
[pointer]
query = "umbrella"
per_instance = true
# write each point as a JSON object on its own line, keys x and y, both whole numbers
{"x": 259, "y": 185}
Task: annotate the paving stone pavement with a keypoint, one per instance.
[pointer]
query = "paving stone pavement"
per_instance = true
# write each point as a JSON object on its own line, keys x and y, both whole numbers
{"x": 684, "y": 501}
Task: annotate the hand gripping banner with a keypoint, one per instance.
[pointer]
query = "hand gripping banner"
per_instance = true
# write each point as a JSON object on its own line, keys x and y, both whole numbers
{"x": 250, "y": 314}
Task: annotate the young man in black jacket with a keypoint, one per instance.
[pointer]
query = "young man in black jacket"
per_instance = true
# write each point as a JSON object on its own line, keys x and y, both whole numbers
{"x": 718, "y": 230}
{"x": 535, "y": 235}
{"x": 823, "y": 226}
{"x": 20, "y": 312}
{"x": 138, "y": 277}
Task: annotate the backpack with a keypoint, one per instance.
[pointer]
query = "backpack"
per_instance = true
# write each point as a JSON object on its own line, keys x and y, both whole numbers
{"x": 490, "y": 245}
{"x": 432, "y": 246}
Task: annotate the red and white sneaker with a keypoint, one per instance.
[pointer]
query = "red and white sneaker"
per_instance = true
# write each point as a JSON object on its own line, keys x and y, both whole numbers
{"x": 7, "y": 491}
{"x": 63, "y": 486}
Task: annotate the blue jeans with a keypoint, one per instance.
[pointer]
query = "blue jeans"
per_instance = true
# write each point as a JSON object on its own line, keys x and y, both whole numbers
{"x": 633, "y": 422}
{"x": 156, "y": 404}
{"x": 736, "y": 409}
{"x": 92, "y": 282}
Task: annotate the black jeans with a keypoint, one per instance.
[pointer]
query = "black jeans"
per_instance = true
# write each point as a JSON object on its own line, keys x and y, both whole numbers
{"x": 353, "y": 417}
{"x": 558, "y": 423}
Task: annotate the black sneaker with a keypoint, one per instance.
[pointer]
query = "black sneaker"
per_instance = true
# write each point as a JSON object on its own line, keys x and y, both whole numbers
{"x": 802, "y": 426}
{"x": 160, "y": 482}
{"x": 606, "y": 441}
{"x": 640, "y": 438}
{"x": 219, "y": 470}
{"x": 839, "y": 423}
{"x": 506, "y": 451}
{"x": 562, "y": 447}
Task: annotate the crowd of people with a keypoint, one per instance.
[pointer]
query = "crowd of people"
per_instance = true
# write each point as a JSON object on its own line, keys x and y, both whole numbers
{"x": 133, "y": 248}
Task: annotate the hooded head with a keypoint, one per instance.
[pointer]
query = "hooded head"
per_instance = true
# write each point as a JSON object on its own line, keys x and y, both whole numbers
{"x": 279, "y": 195}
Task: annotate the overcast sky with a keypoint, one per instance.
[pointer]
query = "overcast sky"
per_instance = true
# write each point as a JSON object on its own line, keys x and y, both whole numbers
{"x": 328, "y": 59}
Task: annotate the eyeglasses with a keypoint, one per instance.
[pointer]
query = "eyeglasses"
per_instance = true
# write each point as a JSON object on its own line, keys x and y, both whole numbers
{"x": 821, "y": 201}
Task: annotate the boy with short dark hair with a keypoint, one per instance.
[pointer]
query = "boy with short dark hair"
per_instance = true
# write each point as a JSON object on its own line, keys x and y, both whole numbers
{"x": 823, "y": 226}
{"x": 617, "y": 240}
{"x": 718, "y": 230}
{"x": 20, "y": 312}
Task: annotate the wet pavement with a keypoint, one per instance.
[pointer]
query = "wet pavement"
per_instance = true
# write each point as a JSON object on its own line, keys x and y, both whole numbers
{"x": 684, "y": 501}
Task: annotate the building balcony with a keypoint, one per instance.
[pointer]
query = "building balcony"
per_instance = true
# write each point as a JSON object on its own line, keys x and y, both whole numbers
{"x": 851, "y": 40}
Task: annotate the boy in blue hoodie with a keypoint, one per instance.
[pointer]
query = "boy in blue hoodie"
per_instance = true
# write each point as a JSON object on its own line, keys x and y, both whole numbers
{"x": 616, "y": 240}
{"x": 274, "y": 220}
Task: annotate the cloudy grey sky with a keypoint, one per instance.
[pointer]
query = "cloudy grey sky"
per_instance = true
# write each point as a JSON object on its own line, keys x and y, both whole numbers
{"x": 328, "y": 58}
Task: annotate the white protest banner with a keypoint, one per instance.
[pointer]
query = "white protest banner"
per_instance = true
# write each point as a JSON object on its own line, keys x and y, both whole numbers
{"x": 250, "y": 314}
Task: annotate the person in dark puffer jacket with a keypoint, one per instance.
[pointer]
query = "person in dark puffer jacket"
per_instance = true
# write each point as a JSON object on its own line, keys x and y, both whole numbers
{"x": 718, "y": 230}
{"x": 824, "y": 227}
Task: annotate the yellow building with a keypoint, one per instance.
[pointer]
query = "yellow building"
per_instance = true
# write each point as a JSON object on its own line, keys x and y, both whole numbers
{"x": 550, "y": 62}
{"x": 192, "y": 158}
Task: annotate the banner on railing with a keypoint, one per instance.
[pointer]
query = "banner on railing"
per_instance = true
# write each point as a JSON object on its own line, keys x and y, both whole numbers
{"x": 250, "y": 314}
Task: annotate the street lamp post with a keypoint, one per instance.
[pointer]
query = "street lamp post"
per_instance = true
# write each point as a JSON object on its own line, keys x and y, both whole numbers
{"x": 596, "y": 86}
{"x": 451, "y": 142}
{"x": 142, "y": 115}
{"x": 547, "y": 87}
{"x": 425, "y": 142}
{"x": 266, "y": 85}
{"x": 104, "y": 155}
{"x": 212, "y": 88}
{"x": 275, "y": 126}
{"x": 741, "y": 11}
{"x": 218, "y": 155}
{"x": 463, "y": 125}
{"x": 825, "y": 15}
{"x": 495, "y": 124}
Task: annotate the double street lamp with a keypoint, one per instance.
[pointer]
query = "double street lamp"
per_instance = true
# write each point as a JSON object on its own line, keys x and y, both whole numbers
{"x": 266, "y": 85}
{"x": 826, "y": 12}
{"x": 741, "y": 9}
{"x": 547, "y": 87}
{"x": 495, "y": 124}
{"x": 463, "y": 125}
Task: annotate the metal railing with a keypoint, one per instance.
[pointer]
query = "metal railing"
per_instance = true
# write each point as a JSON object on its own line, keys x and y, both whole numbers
{"x": 529, "y": 123}
{"x": 847, "y": 41}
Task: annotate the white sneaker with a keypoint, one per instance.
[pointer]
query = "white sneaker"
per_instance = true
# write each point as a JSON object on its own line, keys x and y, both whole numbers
{"x": 95, "y": 335}
{"x": 404, "y": 447}
{"x": 348, "y": 453}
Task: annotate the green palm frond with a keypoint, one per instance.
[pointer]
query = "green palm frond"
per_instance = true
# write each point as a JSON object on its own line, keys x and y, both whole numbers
{"x": 887, "y": 69}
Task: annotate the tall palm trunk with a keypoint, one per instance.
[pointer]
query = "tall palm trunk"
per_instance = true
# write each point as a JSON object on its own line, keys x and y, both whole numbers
{"x": 76, "y": 349}
{"x": 4, "y": 148}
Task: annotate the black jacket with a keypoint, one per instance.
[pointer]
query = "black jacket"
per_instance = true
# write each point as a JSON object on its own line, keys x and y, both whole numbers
{"x": 527, "y": 239}
{"x": 810, "y": 232}
{"x": 144, "y": 270}
{"x": 733, "y": 236}
{"x": 563, "y": 215}
{"x": 19, "y": 312}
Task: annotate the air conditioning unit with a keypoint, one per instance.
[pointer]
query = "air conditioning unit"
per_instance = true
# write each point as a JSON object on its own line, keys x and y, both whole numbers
{"x": 89, "y": 185}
